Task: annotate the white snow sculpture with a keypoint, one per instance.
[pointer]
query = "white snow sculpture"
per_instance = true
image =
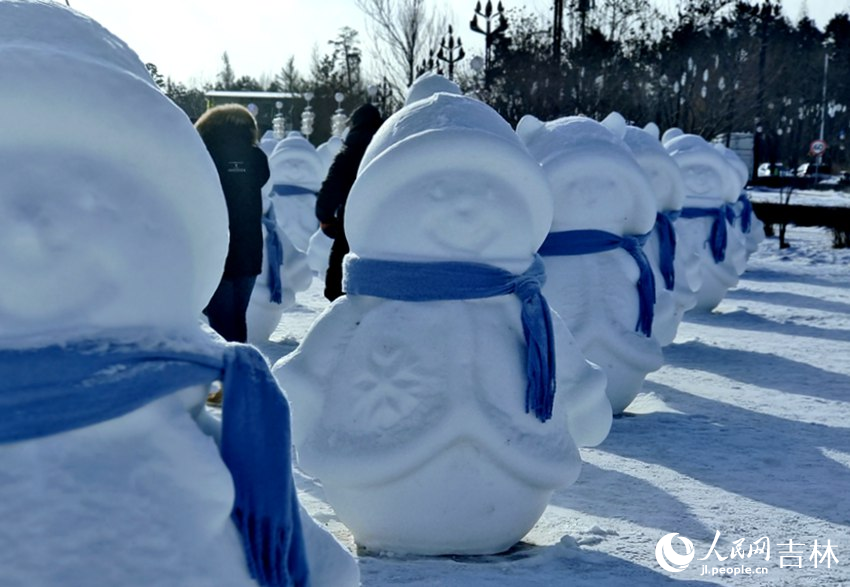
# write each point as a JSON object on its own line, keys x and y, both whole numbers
{"x": 413, "y": 414}
{"x": 297, "y": 172}
{"x": 747, "y": 222}
{"x": 274, "y": 293}
{"x": 673, "y": 288}
{"x": 327, "y": 151}
{"x": 602, "y": 293}
{"x": 268, "y": 142}
{"x": 113, "y": 227}
{"x": 318, "y": 253}
{"x": 428, "y": 84}
{"x": 319, "y": 247}
{"x": 705, "y": 223}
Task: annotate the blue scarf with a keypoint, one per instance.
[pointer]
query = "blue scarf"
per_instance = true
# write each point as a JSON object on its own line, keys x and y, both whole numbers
{"x": 55, "y": 389}
{"x": 285, "y": 189}
{"x": 746, "y": 213}
{"x": 587, "y": 242}
{"x": 423, "y": 282}
{"x": 274, "y": 254}
{"x": 717, "y": 238}
{"x": 667, "y": 245}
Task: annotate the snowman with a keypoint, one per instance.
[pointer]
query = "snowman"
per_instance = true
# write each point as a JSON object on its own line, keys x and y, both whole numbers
{"x": 422, "y": 404}
{"x": 705, "y": 224}
{"x": 285, "y": 272}
{"x": 598, "y": 278}
{"x": 428, "y": 84}
{"x": 296, "y": 175}
{"x": 319, "y": 247}
{"x": 327, "y": 151}
{"x": 110, "y": 475}
{"x": 747, "y": 222}
{"x": 674, "y": 281}
{"x": 268, "y": 142}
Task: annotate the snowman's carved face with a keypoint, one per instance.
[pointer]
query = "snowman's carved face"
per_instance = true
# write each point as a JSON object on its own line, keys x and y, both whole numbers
{"x": 705, "y": 173}
{"x": 456, "y": 216}
{"x": 666, "y": 180}
{"x": 84, "y": 248}
{"x": 467, "y": 215}
{"x": 600, "y": 190}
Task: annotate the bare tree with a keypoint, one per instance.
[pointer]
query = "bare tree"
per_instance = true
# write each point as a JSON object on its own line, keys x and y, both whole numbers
{"x": 403, "y": 31}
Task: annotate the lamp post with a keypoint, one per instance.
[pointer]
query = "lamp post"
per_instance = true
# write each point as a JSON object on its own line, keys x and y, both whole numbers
{"x": 339, "y": 119}
{"x": 827, "y": 44}
{"x": 450, "y": 52}
{"x": 278, "y": 122}
{"x": 307, "y": 117}
{"x": 488, "y": 31}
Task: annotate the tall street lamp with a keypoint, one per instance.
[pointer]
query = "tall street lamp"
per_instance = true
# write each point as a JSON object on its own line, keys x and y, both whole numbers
{"x": 827, "y": 45}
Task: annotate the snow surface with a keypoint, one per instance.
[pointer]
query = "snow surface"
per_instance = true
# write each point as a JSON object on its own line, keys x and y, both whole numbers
{"x": 801, "y": 197}
{"x": 744, "y": 430}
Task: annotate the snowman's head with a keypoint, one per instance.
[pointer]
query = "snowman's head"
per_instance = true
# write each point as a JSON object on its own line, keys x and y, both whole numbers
{"x": 428, "y": 84}
{"x": 446, "y": 178}
{"x": 742, "y": 172}
{"x": 709, "y": 179}
{"x": 327, "y": 151}
{"x": 111, "y": 211}
{"x": 597, "y": 183}
{"x": 295, "y": 161}
{"x": 663, "y": 174}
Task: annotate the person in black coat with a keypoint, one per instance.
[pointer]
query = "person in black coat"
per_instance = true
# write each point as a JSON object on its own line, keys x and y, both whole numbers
{"x": 230, "y": 135}
{"x": 330, "y": 201}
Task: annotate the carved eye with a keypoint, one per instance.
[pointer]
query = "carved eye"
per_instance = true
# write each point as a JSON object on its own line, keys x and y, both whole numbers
{"x": 438, "y": 193}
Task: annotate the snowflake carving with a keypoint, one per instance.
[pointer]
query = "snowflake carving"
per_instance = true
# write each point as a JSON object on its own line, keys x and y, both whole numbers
{"x": 389, "y": 388}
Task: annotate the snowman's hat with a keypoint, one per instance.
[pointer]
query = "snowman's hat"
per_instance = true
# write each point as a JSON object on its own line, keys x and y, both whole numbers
{"x": 428, "y": 84}
{"x": 443, "y": 135}
{"x": 295, "y": 147}
{"x": 709, "y": 178}
{"x": 73, "y": 91}
{"x": 579, "y": 147}
{"x": 661, "y": 171}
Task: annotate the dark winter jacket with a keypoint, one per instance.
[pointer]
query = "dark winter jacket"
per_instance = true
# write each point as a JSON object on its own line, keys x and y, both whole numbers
{"x": 330, "y": 201}
{"x": 243, "y": 172}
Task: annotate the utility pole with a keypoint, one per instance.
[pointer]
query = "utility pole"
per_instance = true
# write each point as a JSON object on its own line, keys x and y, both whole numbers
{"x": 557, "y": 31}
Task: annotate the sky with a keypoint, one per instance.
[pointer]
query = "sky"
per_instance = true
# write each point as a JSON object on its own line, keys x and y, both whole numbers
{"x": 186, "y": 38}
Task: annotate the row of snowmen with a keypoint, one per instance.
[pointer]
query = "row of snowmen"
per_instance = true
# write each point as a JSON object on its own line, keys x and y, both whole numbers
{"x": 440, "y": 403}
{"x": 418, "y": 399}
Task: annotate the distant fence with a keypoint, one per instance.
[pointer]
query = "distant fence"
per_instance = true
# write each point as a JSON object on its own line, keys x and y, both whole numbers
{"x": 783, "y": 213}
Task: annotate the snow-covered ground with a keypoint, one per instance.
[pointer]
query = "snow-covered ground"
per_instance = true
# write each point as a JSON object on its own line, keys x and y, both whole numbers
{"x": 745, "y": 431}
{"x": 831, "y": 198}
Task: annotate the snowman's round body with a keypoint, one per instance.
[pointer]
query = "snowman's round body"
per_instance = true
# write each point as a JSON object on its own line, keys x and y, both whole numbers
{"x": 264, "y": 313}
{"x": 715, "y": 278}
{"x": 412, "y": 414}
{"x": 297, "y": 173}
{"x": 754, "y": 234}
{"x": 318, "y": 253}
{"x": 596, "y": 294}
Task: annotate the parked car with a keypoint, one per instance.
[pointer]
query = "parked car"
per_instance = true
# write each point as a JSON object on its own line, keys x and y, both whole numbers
{"x": 807, "y": 169}
{"x": 773, "y": 170}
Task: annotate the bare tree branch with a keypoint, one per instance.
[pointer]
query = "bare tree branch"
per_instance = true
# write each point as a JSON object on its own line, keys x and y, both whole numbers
{"x": 402, "y": 31}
